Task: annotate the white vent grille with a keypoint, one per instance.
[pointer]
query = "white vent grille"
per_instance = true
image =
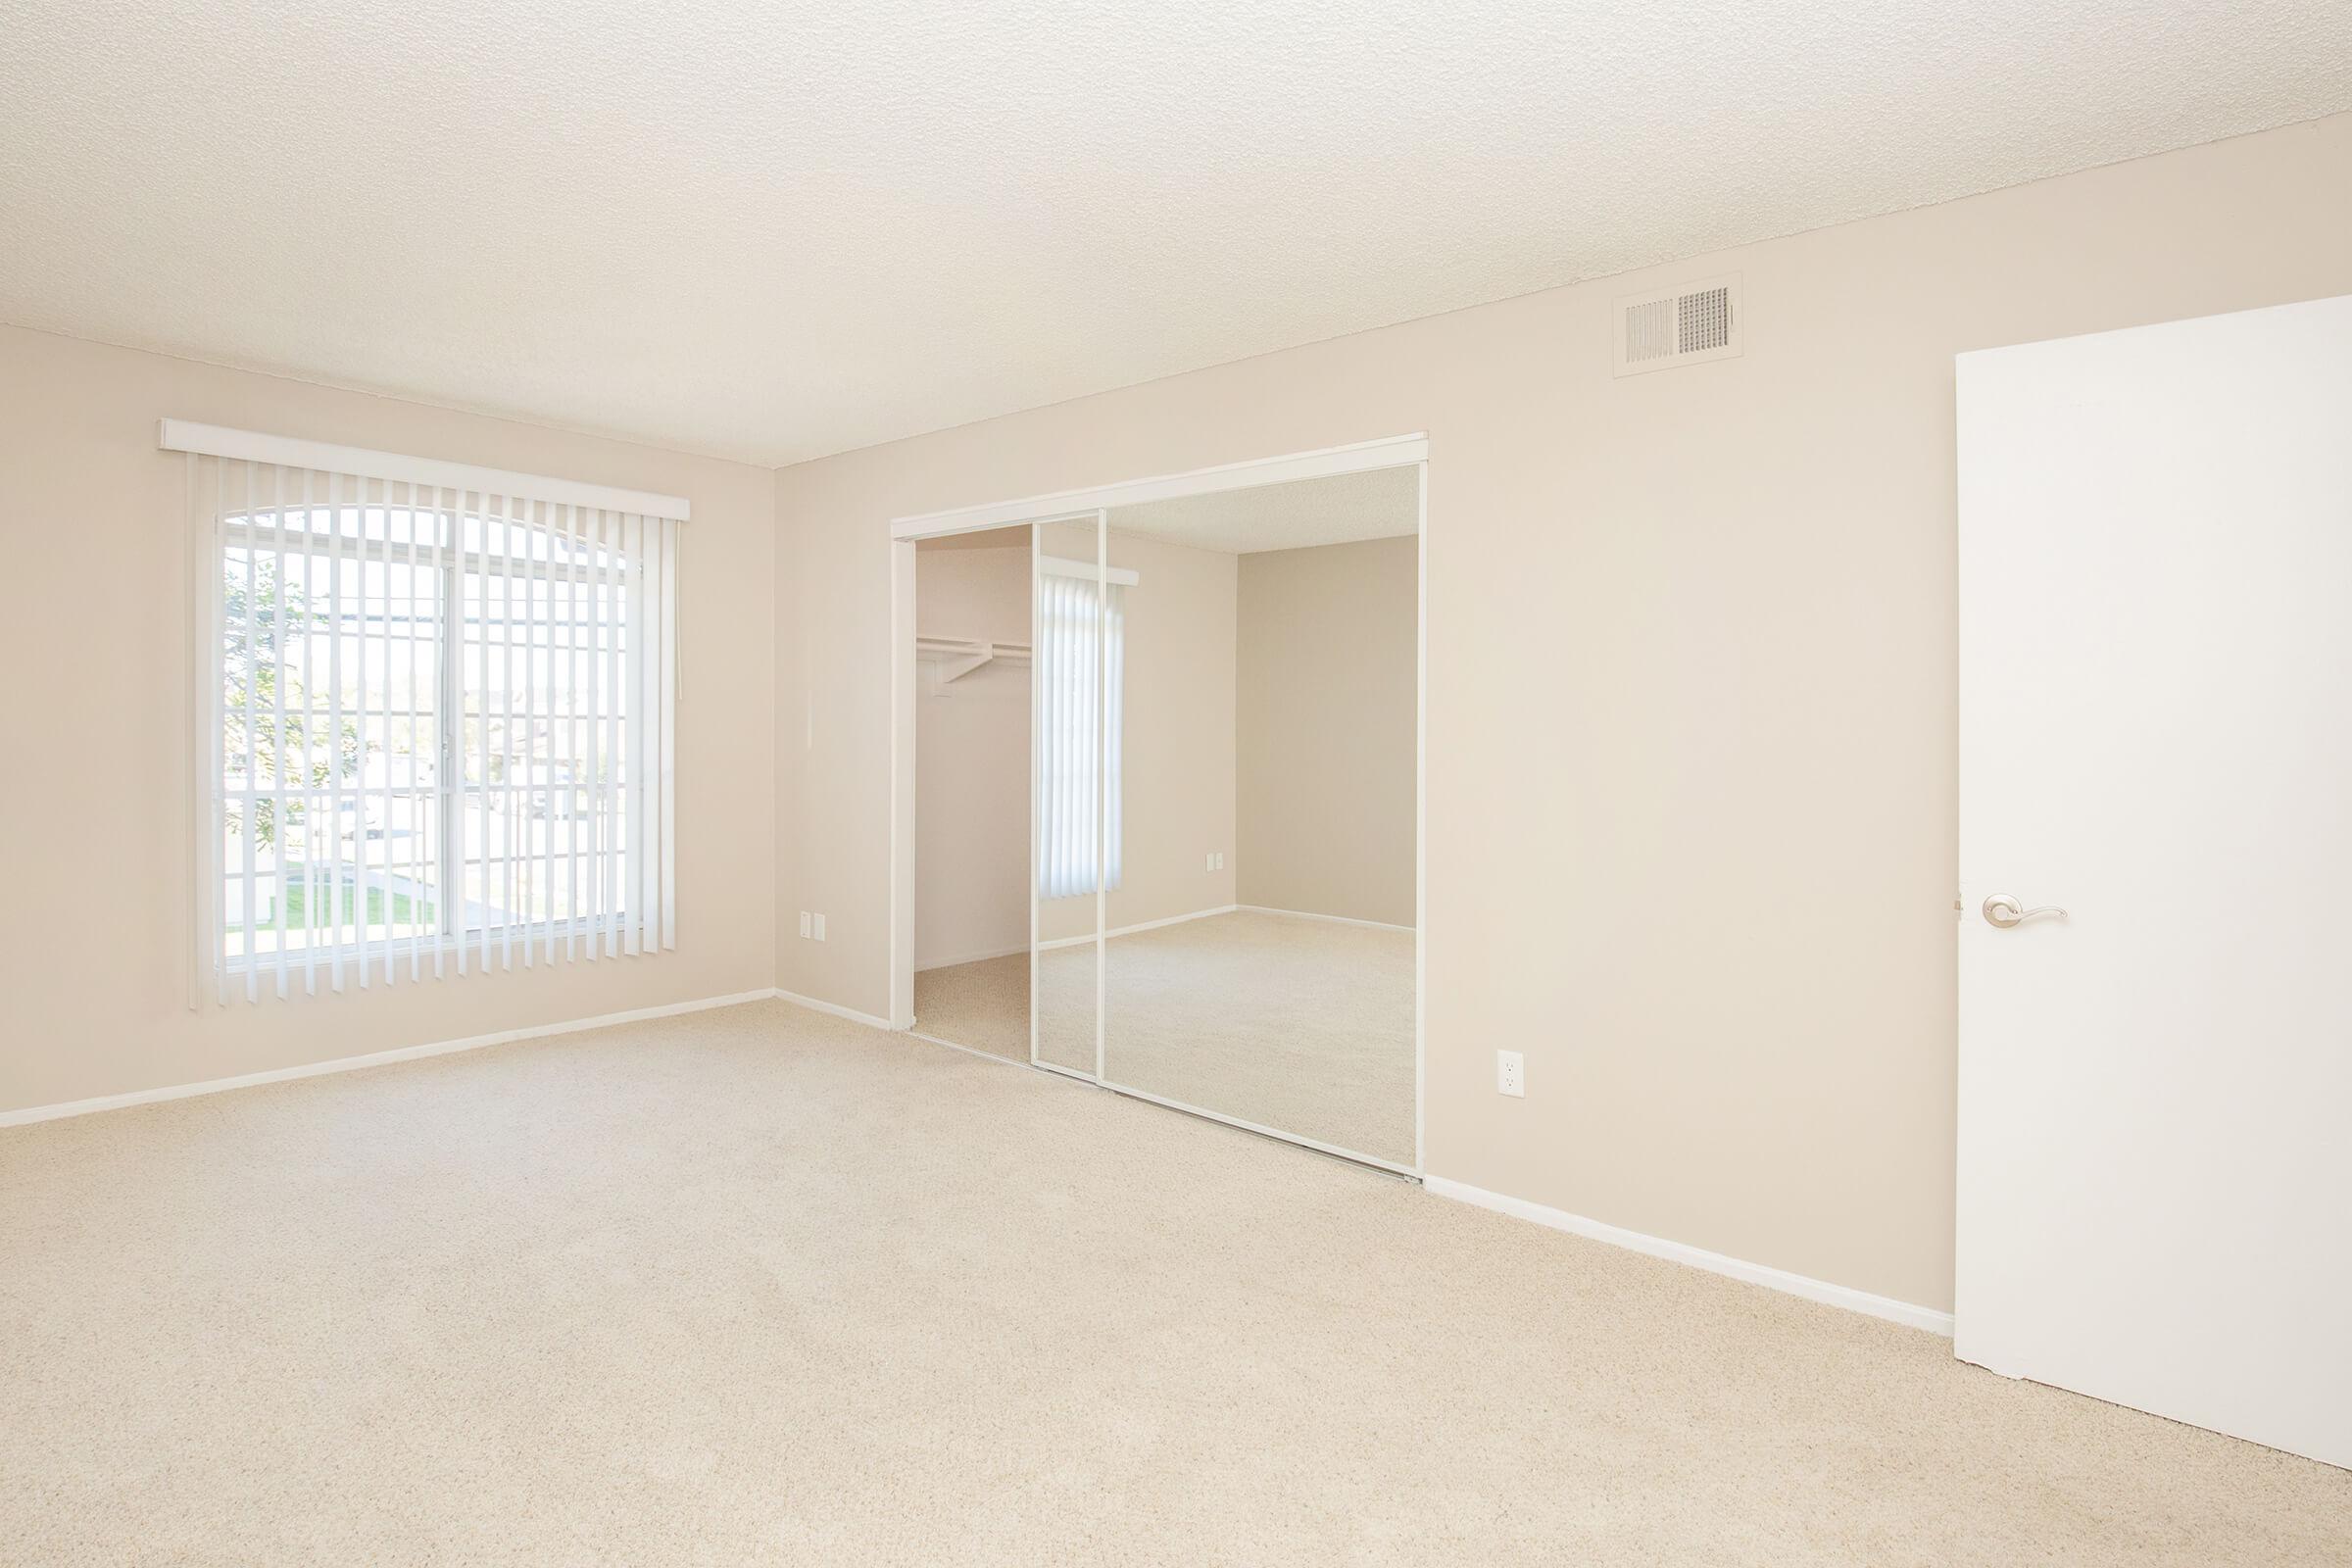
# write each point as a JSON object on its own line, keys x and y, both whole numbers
{"x": 1649, "y": 331}
{"x": 1679, "y": 326}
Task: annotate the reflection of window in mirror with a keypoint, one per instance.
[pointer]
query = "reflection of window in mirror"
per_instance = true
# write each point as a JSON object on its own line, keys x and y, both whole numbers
{"x": 1081, "y": 684}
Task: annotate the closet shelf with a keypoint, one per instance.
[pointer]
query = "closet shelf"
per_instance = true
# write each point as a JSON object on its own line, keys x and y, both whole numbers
{"x": 959, "y": 656}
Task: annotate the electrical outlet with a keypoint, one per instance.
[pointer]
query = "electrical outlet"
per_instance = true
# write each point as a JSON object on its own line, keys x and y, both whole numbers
{"x": 1220, "y": 860}
{"x": 804, "y": 923}
{"x": 818, "y": 921}
{"x": 1510, "y": 1075}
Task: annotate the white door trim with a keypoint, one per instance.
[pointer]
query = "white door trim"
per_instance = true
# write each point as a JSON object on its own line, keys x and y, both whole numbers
{"x": 1363, "y": 457}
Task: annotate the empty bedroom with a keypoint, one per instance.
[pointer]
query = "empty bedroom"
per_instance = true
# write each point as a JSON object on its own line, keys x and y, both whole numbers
{"x": 1215, "y": 784}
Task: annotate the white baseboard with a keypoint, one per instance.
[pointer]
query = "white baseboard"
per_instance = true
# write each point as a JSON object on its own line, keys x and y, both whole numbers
{"x": 1812, "y": 1290}
{"x": 1309, "y": 914}
{"x": 929, "y": 964}
{"x": 835, "y": 1008}
{"x": 374, "y": 1059}
{"x": 1144, "y": 925}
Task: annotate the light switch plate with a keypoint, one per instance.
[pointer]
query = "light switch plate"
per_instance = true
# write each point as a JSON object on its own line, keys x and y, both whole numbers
{"x": 804, "y": 923}
{"x": 818, "y": 921}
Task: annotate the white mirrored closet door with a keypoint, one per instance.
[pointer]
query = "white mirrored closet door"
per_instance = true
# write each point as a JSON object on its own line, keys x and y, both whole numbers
{"x": 1260, "y": 943}
{"x": 1071, "y": 810}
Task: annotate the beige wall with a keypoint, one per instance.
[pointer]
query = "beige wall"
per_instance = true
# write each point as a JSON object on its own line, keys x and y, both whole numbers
{"x": 971, "y": 749}
{"x": 1326, "y": 710}
{"x": 1178, "y": 770}
{"x": 1691, "y": 722}
{"x": 94, "y": 933}
{"x": 1692, "y": 665}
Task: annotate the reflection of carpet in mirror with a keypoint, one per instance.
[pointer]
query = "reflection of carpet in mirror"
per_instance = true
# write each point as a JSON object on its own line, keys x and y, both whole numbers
{"x": 1293, "y": 1023}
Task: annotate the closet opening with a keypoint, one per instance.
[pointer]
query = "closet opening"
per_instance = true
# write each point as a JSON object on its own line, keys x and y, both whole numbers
{"x": 971, "y": 670}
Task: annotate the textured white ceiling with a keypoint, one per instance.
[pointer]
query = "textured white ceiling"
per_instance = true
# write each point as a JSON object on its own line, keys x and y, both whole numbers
{"x": 1379, "y": 505}
{"x": 777, "y": 230}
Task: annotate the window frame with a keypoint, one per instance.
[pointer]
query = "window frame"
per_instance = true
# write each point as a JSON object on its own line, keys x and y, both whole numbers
{"x": 235, "y": 530}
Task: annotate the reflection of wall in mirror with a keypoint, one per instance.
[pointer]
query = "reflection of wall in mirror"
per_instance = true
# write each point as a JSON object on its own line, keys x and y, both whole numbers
{"x": 1327, "y": 717}
{"x": 1178, "y": 767}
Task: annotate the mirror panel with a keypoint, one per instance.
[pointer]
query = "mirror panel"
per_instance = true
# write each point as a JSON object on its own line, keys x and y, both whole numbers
{"x": 1260, "y": 952}
{"x": 1068, "y": 803}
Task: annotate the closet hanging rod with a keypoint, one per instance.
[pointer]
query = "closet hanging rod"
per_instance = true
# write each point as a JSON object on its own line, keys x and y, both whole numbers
{"x": 928, "y": 644}
{"x": 959, "y": 656}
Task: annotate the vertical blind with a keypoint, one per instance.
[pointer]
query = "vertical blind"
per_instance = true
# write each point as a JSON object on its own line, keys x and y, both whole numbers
{"x": 434, "y": 728}
{"x": 1081, "y": 676}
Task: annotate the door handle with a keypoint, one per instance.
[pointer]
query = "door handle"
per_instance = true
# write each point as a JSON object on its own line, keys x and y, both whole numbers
{"x": 2002, "y": 910}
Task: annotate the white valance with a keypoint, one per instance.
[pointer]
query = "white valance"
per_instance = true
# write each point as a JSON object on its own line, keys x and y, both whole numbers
{"x": 284, "y": 451}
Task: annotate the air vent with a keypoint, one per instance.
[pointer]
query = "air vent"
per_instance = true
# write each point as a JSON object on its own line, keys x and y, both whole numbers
{"x": 1679, "y": 326}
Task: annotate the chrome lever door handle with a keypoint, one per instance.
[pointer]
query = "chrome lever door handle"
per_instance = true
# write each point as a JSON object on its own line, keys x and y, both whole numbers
{"x": 2002, "y": 910}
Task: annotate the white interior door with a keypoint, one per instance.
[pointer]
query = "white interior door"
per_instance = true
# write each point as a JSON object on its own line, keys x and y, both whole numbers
{"x": 2155, "y": 1159}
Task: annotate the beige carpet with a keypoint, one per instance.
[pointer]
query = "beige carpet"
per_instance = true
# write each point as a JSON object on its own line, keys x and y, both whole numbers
{"x": 765, "y": 1286}
{"x": 982, "y": 1006}
{"x": 1294, "y": 1023}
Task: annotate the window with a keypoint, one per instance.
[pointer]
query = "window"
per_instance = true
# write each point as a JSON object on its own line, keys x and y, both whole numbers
{"x": 440, "y": 734}
{"x": 1081, "y": 680}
